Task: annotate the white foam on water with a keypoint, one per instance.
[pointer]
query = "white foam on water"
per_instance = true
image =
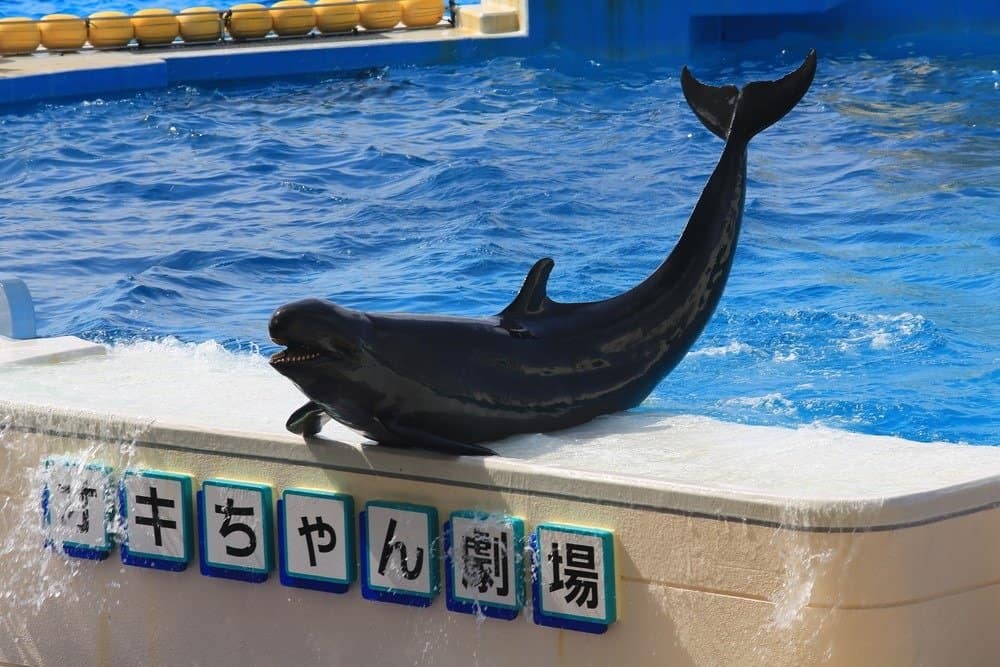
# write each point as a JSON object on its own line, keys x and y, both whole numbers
{"x": 785, "y": 357}
{"x": 733, "y": 347}
{"x": 166, "y": 380}
{"x": 204, "y": 385}
{"x": 880, "y": 332}
{"x": 774, "y": 403}
{"x": 810, "y": 462}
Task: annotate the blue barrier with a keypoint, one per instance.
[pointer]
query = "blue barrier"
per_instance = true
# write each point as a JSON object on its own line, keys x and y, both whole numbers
{"x": 17, "y": 312}
{"x": 635, "y": 29}
{"x": 616, "y": 29}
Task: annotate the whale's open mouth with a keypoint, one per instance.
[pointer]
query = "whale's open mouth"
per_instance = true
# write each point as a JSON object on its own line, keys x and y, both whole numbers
{"x": 297, "y": 353}
{"x": 294, "y": 356}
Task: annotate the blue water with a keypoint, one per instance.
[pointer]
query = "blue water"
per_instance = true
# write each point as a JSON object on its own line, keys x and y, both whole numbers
{"x": 863, "y": 295}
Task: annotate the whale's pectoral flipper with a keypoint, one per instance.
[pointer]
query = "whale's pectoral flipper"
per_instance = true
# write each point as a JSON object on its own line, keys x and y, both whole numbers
{"x": 725, "y": 110}
{"x": 532, "y": 298}
{"x": 413, "y": 437}
{"x": 307, "y": 420}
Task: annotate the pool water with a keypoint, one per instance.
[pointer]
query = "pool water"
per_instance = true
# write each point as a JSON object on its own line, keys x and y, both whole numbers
{"x": 862, "y": 296}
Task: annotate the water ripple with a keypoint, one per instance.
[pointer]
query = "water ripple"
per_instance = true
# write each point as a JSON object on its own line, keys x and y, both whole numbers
{"x": 863, "y": 292}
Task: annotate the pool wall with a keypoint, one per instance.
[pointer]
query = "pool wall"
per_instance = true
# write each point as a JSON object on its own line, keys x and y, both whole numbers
{"x": 608, "y": 29}
{"x": 702, "y": 578}
{"x": 87, "y": 72}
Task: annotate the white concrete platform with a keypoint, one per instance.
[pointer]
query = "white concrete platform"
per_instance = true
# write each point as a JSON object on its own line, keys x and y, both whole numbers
{"x": 734, "y": 544}
{"x": 46, "y": 350}
{"x": 760, "y": 470}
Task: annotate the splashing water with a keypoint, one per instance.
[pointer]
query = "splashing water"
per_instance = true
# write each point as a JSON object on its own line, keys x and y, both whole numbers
{"x": 36, "y": 572}
{"x": 810, "y": 560}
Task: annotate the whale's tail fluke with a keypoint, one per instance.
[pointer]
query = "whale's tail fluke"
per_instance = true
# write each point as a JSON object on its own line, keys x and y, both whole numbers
{"x": 727, "y": 110}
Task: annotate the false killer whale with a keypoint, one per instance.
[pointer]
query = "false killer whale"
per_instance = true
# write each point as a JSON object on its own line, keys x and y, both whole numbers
{"x": 446, "y": 383}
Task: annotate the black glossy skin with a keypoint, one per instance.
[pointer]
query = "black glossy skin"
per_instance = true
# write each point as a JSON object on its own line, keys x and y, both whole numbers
{"x": 445, "y": 383}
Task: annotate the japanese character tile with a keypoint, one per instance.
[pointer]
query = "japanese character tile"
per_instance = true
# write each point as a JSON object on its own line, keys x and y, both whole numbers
{"x": 399, "y": 553}
{"x": 574, "y": 577}
{"x": 484, "y": 570}
{"x": 316, "y": 540}
{"x": 235, "y": 530}
{"x": 78, "y": 507}
{"x": 155, "y": 513}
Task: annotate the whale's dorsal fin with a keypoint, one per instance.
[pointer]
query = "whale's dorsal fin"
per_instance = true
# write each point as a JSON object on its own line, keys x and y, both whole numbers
{"x": 532, "y": 298}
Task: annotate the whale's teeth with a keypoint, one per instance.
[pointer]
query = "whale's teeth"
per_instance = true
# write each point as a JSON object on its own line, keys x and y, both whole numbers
{"x": 285, "y": 358}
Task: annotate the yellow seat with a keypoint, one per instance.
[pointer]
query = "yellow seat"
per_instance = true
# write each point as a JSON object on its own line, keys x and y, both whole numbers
{"x": 380, "y": 15}
{"x": 109, "y": 30}
{"x": 422, "y": 13}
{"x": 62, "y": 32}
{"x": 249, "y": 20}
{"x": 336, "y": 16}
{"x": 19, "y": 35}
{"x": 154, "y": 27}
{"x": 292, "y": 17}
{"x": 200, "y": 24}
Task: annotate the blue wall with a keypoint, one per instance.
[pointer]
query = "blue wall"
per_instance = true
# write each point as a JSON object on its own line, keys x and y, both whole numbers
{"x": 629, "y": 29}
